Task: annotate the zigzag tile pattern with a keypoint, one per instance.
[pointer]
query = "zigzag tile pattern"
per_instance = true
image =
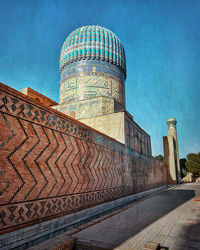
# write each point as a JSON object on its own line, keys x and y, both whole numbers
{"x": 52, "y": 165}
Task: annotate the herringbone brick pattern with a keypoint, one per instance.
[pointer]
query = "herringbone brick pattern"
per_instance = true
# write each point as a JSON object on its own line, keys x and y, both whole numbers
{"x": 52, "y": 165}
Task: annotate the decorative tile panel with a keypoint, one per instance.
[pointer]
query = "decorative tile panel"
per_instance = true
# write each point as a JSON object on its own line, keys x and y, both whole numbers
{"x": 87, "y": 85}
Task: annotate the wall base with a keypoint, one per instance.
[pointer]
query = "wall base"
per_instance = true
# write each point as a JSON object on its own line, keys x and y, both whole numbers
{"x": 33, "y": 235}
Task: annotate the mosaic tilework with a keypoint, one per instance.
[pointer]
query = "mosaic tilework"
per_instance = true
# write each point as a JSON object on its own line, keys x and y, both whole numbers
{"x": 90, "y": 108}
{"x": 52, "y": 165}
{"x": 93, "y": 43}
{"x": 80, "y": 87}
{"x": 93, "y": 109}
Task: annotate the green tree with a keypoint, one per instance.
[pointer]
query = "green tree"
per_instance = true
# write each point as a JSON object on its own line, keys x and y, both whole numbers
{"x": 159, "y": 157}
{"x": 183, "y": 167}
{"x": 193, "y": 164}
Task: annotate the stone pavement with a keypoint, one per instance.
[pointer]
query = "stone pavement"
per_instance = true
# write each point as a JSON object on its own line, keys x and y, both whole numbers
{"x": 171, "y": 218}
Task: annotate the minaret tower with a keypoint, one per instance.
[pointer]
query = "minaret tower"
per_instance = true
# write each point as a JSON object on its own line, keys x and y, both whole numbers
{"x": 171, "y": 152}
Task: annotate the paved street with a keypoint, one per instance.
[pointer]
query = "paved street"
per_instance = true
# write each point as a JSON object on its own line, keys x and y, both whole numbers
{"x": 171, "y": 218}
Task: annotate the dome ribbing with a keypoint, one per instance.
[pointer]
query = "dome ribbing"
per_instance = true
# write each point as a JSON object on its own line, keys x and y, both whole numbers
{"x": 93, "y": 43}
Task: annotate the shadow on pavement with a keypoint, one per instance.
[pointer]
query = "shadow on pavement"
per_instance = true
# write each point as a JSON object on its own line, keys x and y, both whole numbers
{"x": 119, "y": 228}
{"x": 191, "y": 236}
{"x": 155, "y": 208}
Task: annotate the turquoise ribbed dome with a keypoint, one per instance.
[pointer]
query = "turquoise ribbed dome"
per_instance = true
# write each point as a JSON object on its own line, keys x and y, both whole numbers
{"x": 93, "y": 43}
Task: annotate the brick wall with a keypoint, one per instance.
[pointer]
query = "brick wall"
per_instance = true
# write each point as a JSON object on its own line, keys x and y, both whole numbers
{"x": 52, "y": 165}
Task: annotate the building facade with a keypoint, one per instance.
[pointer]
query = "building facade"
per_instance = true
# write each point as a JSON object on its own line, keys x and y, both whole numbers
{"x": 92, "y": 86}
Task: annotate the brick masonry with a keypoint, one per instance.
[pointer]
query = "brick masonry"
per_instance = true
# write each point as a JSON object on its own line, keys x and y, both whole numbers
{"x": 53, "y": 165}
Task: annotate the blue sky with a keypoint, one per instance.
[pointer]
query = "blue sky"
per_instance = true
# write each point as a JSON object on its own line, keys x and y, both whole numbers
{"x": 162, "y": 44}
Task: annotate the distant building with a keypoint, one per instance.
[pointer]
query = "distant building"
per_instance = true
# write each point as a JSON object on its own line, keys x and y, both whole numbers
{"x": 188, "y": 178}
